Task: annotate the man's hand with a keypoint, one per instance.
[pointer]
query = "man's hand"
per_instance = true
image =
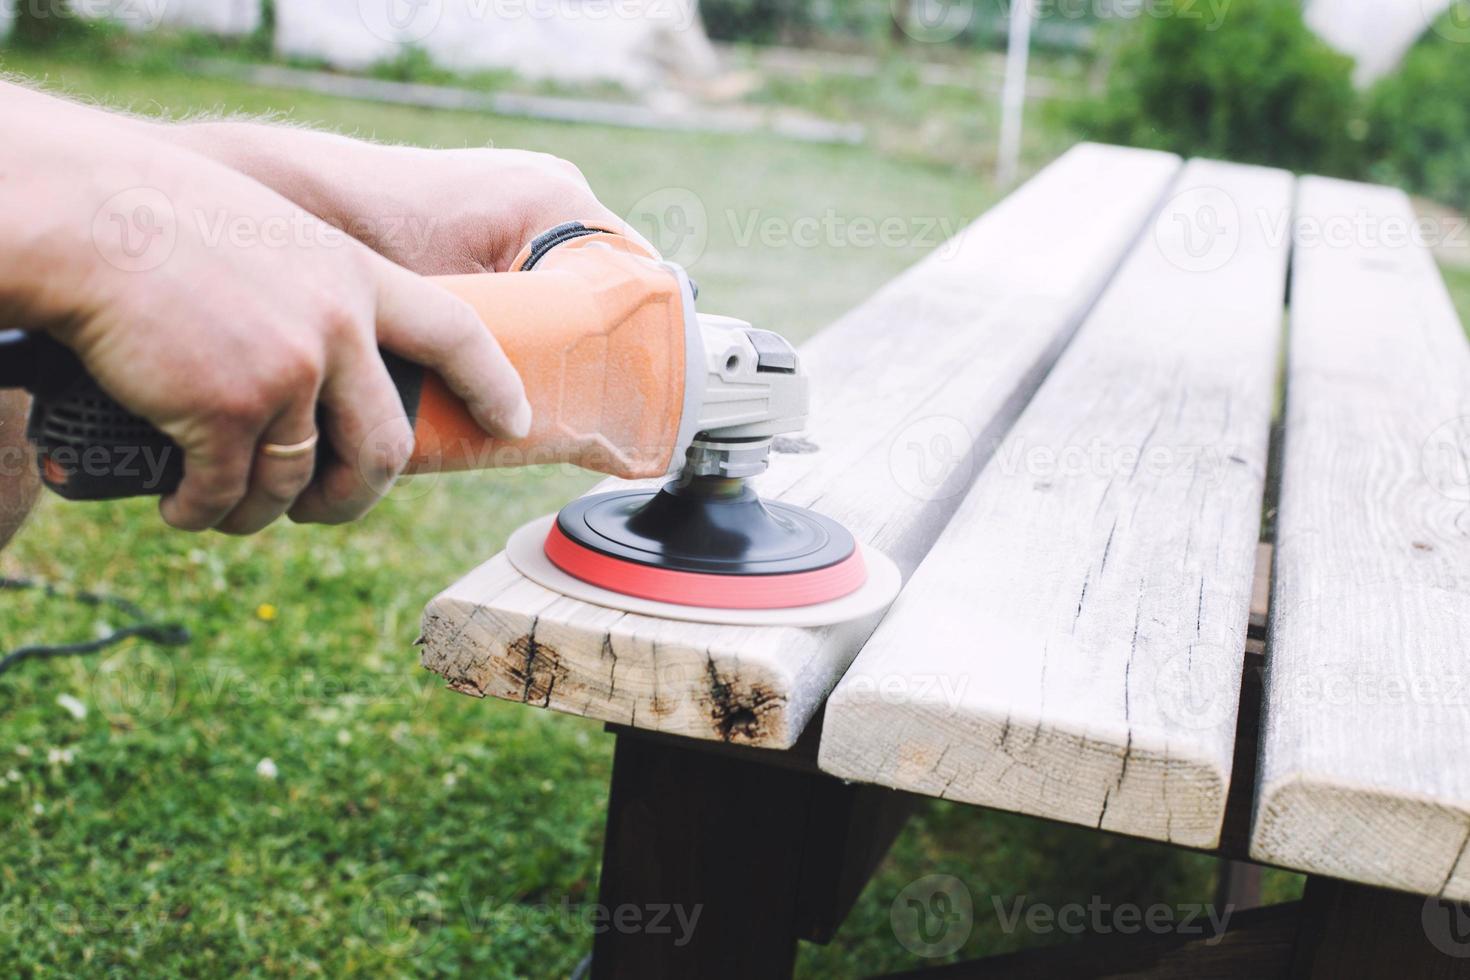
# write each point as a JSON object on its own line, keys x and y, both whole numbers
{"x": 225, "y": 315}
{"x": 437, "y": 212}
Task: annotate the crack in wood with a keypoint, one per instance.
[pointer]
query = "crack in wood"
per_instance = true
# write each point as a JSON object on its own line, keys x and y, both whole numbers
{"x": 537, "y": 666}
{"x": 612, "y": 674}
{"x": 530, "y": 652}
{"x": 1459, "y": 856}
{"x": 1080, "y": 600}
{"x": 1107, "y": 547}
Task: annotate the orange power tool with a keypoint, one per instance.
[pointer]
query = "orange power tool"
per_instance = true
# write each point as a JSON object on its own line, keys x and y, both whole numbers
{"x": 624, "y": 378}
{"x": 620, "y": 371}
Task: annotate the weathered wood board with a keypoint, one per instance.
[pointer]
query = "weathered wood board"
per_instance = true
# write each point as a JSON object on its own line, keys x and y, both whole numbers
{"x": 911, "y": 391}
{"x": 1072, "y": 645}
{"x": 1365, "y": 754}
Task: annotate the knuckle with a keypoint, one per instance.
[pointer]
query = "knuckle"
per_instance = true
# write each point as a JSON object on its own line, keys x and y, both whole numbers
{"x": 384, "y": 455}
{"x": 558, "y": 183}
{"x": 279, "y": 490}
{"x": 567, "y": 170}
{"x": 184, "y": 518}
{"x": 383, "y": 461}
{"x": 339, "y": 320}
{"x": 238, "y": 409}
{"x": 301, "y": 368}
{"x": 236, "y": 528}
{"x": 334, "y": 508}
{"x": 216, "y": 497}
{"x": 201, "y": 506}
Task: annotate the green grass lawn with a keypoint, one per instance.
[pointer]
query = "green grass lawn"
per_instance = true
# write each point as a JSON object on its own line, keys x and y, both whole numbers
{"x": 408, "y": 830}
{"x": 1457, "y": 278}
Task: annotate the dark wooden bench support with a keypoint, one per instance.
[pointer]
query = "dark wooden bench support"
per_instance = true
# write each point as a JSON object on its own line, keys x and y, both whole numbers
{"x": 1350, "y": 931}
{"x": 1338, "y": 931}
{"x": 766, "y": 851}
{"x": 1257, "y": 946}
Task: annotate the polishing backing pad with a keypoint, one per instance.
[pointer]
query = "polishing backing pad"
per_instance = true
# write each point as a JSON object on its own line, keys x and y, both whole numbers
{"x": 526, "y": 551}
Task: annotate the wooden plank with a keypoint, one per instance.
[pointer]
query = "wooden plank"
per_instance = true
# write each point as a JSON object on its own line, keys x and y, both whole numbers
{"x": 1072, "y": 646}
{"x": 911, "y": 390}
{"x": 1364, "y": 770}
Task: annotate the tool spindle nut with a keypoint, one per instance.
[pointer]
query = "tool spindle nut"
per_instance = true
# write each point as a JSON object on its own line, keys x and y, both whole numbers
{"x": 728, "y": 460}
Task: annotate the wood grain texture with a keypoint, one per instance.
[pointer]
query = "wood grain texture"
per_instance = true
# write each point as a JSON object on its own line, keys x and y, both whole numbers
{"x": 910, "y": 392}
{"x": 1072, "y": 646}
{"x": 1365, "y": 772}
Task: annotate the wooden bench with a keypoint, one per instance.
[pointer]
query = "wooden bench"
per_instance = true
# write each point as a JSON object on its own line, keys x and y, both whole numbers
{"x": 1061, "y": 427}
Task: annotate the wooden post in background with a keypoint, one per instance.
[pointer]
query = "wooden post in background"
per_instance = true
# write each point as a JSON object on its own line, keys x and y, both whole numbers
{"x": 1013, "y": 95}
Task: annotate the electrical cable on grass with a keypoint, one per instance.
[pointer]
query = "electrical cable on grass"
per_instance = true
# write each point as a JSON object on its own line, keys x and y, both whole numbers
{"x": 161, "y": 633}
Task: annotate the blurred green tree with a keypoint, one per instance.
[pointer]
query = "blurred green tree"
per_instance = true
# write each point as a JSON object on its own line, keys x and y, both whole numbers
{"x": 1419, "y": 120}
{"x": 46, "y": 23}
{"x": 1253, "y": 85}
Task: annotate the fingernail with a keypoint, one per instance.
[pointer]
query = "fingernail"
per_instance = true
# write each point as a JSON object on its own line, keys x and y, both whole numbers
{"x": 520, "y": 423}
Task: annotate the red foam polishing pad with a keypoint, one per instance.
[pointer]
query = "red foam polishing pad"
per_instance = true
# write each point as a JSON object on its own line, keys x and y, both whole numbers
{"x": 770, "y": 591}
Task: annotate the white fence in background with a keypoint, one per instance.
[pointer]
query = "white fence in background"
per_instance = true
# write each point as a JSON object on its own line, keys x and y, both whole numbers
{"x": 1376, "y": 33}
{"x": 636, "y": 43}
{"x": 231, "y": 18}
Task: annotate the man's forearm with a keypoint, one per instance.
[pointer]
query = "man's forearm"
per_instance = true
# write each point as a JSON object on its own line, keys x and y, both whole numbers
{"x": 297, "y": 164}
{"x": 55, "y": 199}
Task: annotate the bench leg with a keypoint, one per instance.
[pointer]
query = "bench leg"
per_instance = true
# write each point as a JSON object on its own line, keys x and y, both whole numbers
{"x": 748, "y": 857}
{"x": 1350, "y": 931}
{"x": 1238, "y": 886}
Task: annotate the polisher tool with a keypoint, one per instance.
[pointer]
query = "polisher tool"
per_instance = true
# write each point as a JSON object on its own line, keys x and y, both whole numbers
{"x": 626, "y": 378}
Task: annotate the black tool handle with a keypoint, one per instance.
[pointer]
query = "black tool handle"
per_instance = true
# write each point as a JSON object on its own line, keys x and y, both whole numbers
{"x": 89, "y": 447}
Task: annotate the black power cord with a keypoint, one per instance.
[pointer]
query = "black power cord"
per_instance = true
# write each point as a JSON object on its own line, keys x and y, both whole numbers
{"x": 163, "y": 634}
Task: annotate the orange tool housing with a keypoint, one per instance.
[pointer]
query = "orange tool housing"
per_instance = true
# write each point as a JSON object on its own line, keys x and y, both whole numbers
{"x": 597, "y": 328}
